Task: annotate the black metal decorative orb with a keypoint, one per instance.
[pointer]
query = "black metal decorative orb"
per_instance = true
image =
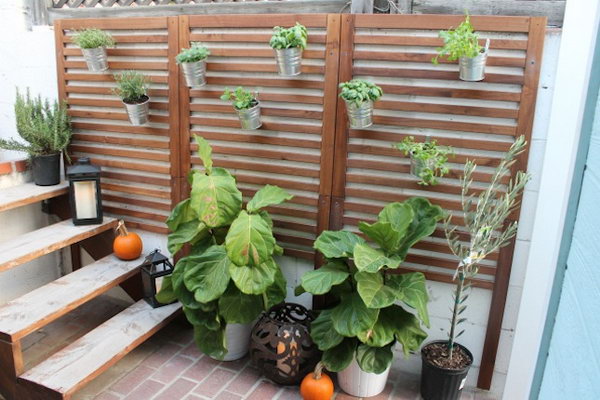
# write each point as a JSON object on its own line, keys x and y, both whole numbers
{"x": 280, "y": 344}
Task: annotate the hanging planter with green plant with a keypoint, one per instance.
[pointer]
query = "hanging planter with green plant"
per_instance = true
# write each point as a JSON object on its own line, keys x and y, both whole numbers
{"x": 289, "y": 43}
{"x": 47, "y": 130}
{"x": 132, "y": 88}
{"x": 427, "y": 159}
{"x": 359, "y": 96}
{"x": 375, "y": 308}
{"x": 246, "y": 105}
{"x": 93, "y": 43}
{"x": 193, "y": 64}
{"x": 462, "y": 44}
{"x": 230, "y": 275}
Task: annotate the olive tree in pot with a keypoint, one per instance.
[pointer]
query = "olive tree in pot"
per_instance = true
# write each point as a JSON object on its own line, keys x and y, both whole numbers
{"x": 47, "y": 130}
{"x": 375, "y": 307}
{"x": 247, "y": 106}
{"x": 427, "y": 159}
{"x": 132, "y": 88}
{"x": 93, "y": 43}
{"x": 229, "y": 276}
{"x": 193, "y": 64}
{"x": 445, "y": 364}
{"x": 462, "y": 44}
{"x": 288, "y": 44}
{"x": 359, "y": 96}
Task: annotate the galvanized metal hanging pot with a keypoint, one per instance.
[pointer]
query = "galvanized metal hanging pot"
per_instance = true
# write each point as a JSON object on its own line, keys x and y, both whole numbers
{"x": 194, "y": 72}
{"x": 250, "y": 117}
{"x": 472, "y": 69}
{"x": 289, "y": 61}
{"x": 417, "y": 165}
{"x": 138, "y": 112}
{"x": 360, "y": 116}
{"x": 96, "y": 59}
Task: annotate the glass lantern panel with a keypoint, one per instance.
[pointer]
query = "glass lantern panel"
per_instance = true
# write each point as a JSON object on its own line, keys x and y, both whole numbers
{"x": 85, "y": 199}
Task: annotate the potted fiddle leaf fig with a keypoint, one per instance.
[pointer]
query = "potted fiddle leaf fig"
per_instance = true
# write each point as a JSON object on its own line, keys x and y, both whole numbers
{"x": 288, "y": 44}
{"x": 47, "y": 130}
{"x": 462, "y": 44}
{"x": 93, "y": 43}
{"x": 229, "y": 276}
{"x": 375, "y": 308}
{"x": 132, "y": 88}
{"x": 427, "y": 159}
{"x": 247, "y": 106}
{"x": 359, "y": 96}
{"x": 446, "y": 363}
{"x": 193, "y": 64}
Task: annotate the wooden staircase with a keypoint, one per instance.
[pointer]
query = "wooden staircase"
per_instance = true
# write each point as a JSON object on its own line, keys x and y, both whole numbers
{"x": 71, "y": 368}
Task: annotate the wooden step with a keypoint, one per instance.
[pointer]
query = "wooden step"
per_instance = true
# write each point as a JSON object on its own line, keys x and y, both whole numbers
{"x": 42, "y": 306}
{"x": 28, "y": 193}
{"x": 29, "y": 246}
{"x": 74, "y": 366}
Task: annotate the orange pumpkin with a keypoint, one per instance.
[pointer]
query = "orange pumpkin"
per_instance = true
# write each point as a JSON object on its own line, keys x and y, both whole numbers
{"x": 127, "y": 245}
{"x": 316, "y": 385}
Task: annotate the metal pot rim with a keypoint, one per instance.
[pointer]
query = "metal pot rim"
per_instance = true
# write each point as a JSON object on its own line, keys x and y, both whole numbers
{"x": 137, "y": 104}
{"x": 248, "y": 109}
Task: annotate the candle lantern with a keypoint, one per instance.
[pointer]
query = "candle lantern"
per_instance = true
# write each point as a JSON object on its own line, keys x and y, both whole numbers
{"x": 84, "y": 194}
{"x": 280, "y": 344}
{"x": 155, "y": 266}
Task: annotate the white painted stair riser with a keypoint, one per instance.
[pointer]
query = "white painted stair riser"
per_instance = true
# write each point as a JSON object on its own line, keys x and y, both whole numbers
{"x": 359, "y": 383}
{"x": 238, "y": 341}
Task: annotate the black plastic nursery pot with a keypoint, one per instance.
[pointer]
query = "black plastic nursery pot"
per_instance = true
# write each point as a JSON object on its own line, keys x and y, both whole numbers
{"x": 439, "y": 383}
{"x": 46, "y": 169}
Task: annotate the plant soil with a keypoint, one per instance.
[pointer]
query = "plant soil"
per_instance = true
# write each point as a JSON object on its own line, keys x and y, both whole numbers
{"x": 437, "y": 354}
{"x": 254, "y": 104}
{"x": 141, "y": 100}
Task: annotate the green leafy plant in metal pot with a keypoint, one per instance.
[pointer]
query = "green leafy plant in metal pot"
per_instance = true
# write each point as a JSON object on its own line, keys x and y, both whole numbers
{"x": 429, "y": 156}
{"x": 375, "y": 308}
{"x": 230, "y": 275}
{"x": 132, "y": 87}
{"x": 197, "y": 52}
{"x": 240, "y": 98}
{"x": 287, "y": 38}
{"x": 460, "y": 42}
{"x": 359, "y": 91}
{"x": 93, "y": 38}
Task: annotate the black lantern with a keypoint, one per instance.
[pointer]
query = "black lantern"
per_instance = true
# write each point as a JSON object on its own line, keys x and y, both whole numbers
{"x": 84, "y": 194}
{"x": 155, "y": 266}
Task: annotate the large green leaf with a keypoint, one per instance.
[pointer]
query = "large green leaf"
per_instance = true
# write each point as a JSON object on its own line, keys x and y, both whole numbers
{"x": 412, "y": 291}
{"x": 186, "y": 232}
{"x": 391, "y": 227}
{"x": 207, "y": 276}
{"x": 210, "y": 320}
{"x": 337, "y": 244}
{"x": 423, "y": 224}
{"x": 183, "y": 294}
{"x": 373, "y": 290}
{"x": 269, "y": 195}
{"x": 250, "y": 240}
{"x": 201, "y": 243}
{"x": 322, "y": 332}
{"x": 216, "y": 199}
{"x": 352, "y": 316}
{"x": 277, "y": 292}
{"x": 407, "y": 330}
{"x": 339, "y": 357}
{"x": 166, "y": 294}
{"x": 382, "y": 333}
{"x": 321, "y": 280}
{"x": 239, "y": 308}
{"x": 369, "y": 259}
{"x": 256, "y": 279}
{"x": 374, "y": 359}
{"x": 181, "y": 213}
{"x": 205, "y": 153}
{"x": 211, "y": 342}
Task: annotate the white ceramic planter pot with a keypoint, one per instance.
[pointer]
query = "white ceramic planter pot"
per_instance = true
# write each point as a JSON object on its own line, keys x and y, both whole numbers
{"x": 238, "y": 341}
{"x": 359, "y": 383}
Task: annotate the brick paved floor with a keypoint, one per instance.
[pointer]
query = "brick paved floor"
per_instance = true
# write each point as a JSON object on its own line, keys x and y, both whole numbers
{"x": 169, "y": 367}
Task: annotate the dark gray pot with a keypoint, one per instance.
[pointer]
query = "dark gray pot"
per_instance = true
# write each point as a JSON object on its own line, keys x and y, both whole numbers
{"x": 46, "y": 169}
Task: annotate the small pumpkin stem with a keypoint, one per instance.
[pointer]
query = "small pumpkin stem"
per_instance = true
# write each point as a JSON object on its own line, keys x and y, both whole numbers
{"x": 122, "y": 229}
{"x": 318, "y": 370}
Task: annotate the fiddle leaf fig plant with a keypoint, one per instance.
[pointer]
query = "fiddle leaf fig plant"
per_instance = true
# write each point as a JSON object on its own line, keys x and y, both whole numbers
{"x": 375, "y": 309}
{"x": 229, "y": 275}
{"x": 429, "y": 158}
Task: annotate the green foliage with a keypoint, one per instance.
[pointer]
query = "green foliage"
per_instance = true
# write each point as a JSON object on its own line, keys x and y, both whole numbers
{"x": 286, "y": 38}
{"x": 241, "y": 99}
{"x": 358, "y": 91}
{"x": 132, "y": 87}
{"x": 46, "y": 128}
{"x": 461, "y": 42}
{"x": 93, "y": 38}
{"x": 430, "y": 158}
{"x": 195, "y": 53}
{"x": 366, "y": 320}
{"x": 230, "y": 275}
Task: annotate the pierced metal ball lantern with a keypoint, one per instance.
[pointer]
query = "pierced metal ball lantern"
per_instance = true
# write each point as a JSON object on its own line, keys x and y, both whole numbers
{"x": 281, "y": 346}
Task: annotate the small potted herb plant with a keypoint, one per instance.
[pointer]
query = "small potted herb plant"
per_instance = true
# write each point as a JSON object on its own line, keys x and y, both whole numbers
{"x": 47, "y": 130}
{"x": 132, "y": 88}
{"x": 359, "y": 96}
{"x": 246, "y": 105}
{"x": 427, "y": 159}
{"x": 193, "y": 64}
{"x": 288, "y": 44}
{"x": 229, "y": 276}
{"x": 462, "y": 44}
{"x": 93, "y": 43}
{"x": 445, "y": 363}
{"x": 375, "y": 308}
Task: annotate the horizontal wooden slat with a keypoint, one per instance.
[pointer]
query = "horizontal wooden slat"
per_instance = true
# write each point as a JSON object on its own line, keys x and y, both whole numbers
{"x": 137, "y": 202}
{"x": 115, "y": 23}
{"x": 144, "y": 130}
{"x": 452, "y": 92}
{"x": 432, "y": 74}
{"x": 95, "y": 102}
{"x": 268, "y": 82}
{"x": 109, "y": 91}
{"x": 95, "y": 77}
{"x": 151, "y": 180}
{"x": 158, "y": 38}
{"x": 268, "y": 111}
{"x": 447, "y": 125}
{"x": 260, "y": 53}
{"x": 123, "y": 52}
{"x": 272, "y": 67}
{"x": 257, "y": 20}
{"x": 442, "y": 22}
{"x": 136, "y": 190}
{"x": 438, "y": 108}
{"x": 145, "y": 65}
{"x": 258, "y": 139}
{"x": 426, "y": 58}
{"x": 134, "y": 213}
{"x": 281, "y": 97}
{"x": 252, "y": 166}
{"x": 246, "y": 38}
{"x": 269, "y": 126}
{"x": 423, "y": 41}
{"x": 115, "y": 116}
{"x": 155, "y": 144}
